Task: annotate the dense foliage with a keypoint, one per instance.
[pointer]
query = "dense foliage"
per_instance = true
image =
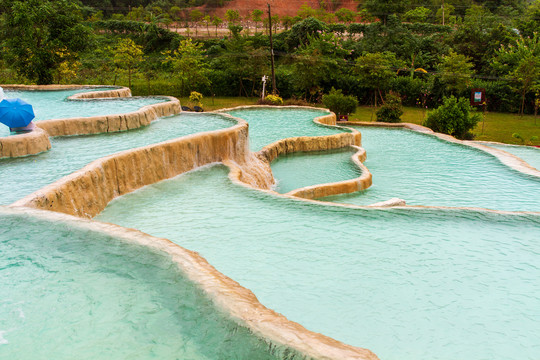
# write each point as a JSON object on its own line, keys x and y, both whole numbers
{"x": 391, "y": 110}
{"x": 454, "y": 117}
{"x": 422, "y": 52}
{"x": 338, "y": 103}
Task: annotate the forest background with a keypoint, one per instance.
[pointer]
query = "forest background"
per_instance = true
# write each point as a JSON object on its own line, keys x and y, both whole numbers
{"x": 421, "y": 51}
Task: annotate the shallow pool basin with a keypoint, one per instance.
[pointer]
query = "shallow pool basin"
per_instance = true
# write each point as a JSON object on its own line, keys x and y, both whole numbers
{"x": 406, "y": 284}
{"x": 68, "y": 291}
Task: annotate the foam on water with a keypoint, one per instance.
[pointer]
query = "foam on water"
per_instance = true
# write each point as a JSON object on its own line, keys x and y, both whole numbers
{"x": 406, "y": 284}
{"x": 22, "y": 176}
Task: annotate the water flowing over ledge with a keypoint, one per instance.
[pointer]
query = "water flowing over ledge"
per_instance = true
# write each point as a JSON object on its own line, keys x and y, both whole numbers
{"x": 87, "y": 192}
{"x": 30, "y": 143}
{"x": 504, "y": 157}
{"x": 227, "y": 295}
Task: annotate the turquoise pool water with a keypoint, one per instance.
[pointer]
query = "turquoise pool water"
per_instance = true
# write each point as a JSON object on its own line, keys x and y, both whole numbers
{"x": 297, "y": 170}
{"x": 269, "y": 125}
{"x": 424, "y": 170}
{"x": 407, "y": 284}
{"x": 528, "y": 153}
{"x": 54, "y": 105}
{"x": 22, "y": 176}
{"x": 68, "y": 292}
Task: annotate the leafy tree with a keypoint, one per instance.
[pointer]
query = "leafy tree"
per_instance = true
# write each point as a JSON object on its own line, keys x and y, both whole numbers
{"x": 310, "y": 68}
{"x": 216, "y": 21}
{"x": 287, "y": 22}
{"x": 453, "y": 117}
{"x": 456, "y": 72}
{"x": 345, "y": 15}
{"x": 196, "y": 16}
{"x": 338, "y": 103}
{"x": 207, "y": 21}
{"x": 128, "y": 56}
{"x": 419, "y": 14}
{"x": 187, "y": 64}
{"x": 302, "y": 30}
{"x": 530, "y": 22}
{"x": 256, "y": 17}
{"x": 306, "y": 11}
{"x": 383, "y": 8}
{"x": 41, "y": 34}
{"x": 391, "y": 110}
{"x": 480, "y": 37}
{"x": 232, "y": 16}
{"x": 376, "y": 71}
{"x": 520, "y": 62}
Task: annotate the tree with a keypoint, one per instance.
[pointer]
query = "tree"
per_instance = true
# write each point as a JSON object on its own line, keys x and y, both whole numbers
{"x": 39, "y": 34}
{"x": 453, "y": 117}
{"x": 338, "y": 103}
{"x": 456, "y": 72}
{"x": 419, "y": 14}
{"x": 527, "y": 73}
{"x": 232, "y": 16}
{"x": 216, "y": 21}
{"x": 345, "y": 15}
{"x": 187, "y": 64}
{"x": 376, "y": 71}
{"x": 256, "y": 17}
{"x": 383, "y": 8}
{"x": 128, "y": 56}
{"x": 207, "y": 21}
{"x": 196, "y": 16}
{"x": 520, "y": 62}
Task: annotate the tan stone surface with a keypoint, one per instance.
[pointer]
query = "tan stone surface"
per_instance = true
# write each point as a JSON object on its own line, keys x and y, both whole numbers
{"x": 226, "y": 294}
{"x": 111, "y": 123}
{"x": 86, "y": 192}
{"x": 362, "y": 182}
{"x": 24, "y": 144}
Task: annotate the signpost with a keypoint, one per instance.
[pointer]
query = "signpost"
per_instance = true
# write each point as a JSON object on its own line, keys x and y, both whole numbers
{"x": 478, "y": 98}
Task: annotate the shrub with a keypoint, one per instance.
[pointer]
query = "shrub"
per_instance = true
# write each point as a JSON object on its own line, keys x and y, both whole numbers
{"x": 339, "y": 103}
{"x": 391, "y": 111}
{"x": 271, "y": 100}
{"x": 195, "y": 98}
{"x": 453, "y": 117}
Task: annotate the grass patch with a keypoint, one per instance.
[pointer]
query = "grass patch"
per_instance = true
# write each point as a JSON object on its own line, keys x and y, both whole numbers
{"x": 497, "y": 126}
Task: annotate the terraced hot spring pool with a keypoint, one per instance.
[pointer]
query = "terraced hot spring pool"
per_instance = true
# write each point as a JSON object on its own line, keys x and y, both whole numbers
{"x": 528, "y": 153}
{"x": 296, "y": 170}
{"x": 267, "y": 125}
{"x": 22, "y": 176}
{"x": 69, "y": 291}
{"x": 406, "y": 284}
{"x": 55, "y": 105}
{"x": 424, "y": 170}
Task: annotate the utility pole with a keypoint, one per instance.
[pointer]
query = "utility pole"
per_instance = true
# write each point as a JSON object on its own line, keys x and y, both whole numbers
{"x": 442, "y": 12}
{"x": 271, "y": 50}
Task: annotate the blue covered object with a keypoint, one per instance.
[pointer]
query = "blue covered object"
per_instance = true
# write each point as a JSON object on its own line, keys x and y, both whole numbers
{"x": 16, "y": 113}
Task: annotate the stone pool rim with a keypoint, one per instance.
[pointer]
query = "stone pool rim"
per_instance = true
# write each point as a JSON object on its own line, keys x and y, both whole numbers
{"x": 236, "y": 301}
{"x": 35, "y": 142}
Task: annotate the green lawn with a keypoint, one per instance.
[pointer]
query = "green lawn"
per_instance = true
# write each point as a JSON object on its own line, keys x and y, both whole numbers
{"x": 497, "y": 126}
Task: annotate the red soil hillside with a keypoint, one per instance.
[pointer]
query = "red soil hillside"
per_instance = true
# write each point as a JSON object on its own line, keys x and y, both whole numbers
{"x": 279, "y": 7}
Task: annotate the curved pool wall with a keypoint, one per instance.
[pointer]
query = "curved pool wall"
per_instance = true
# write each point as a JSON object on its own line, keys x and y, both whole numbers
{"x": 306, "y": 175}
{"x": 287, "y": 201}
{"x": 152, "y": 109}
{"x": 425, "y": 170}
{"x": 530, "y": 154}
{"x": 103, "y": 292}
{"x": 87, "y": 191}
{"x": 287, "y": 122}
{"x": 404, "y": 283}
